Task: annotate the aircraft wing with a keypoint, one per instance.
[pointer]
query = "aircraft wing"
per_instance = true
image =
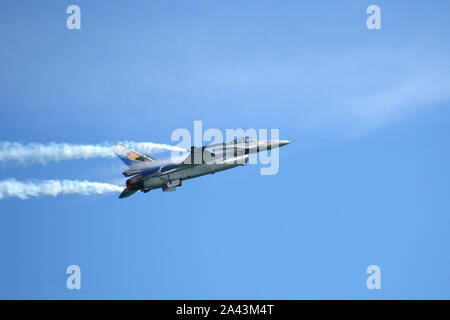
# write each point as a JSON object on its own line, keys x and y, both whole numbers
{"x": 198, "y": 154}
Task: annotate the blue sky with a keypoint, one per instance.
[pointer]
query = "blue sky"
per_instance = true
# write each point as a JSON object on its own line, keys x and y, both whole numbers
{"x": 367, "y": 181}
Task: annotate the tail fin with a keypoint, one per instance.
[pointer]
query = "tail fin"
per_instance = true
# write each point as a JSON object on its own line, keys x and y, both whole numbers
{"x": 131, "y": 157}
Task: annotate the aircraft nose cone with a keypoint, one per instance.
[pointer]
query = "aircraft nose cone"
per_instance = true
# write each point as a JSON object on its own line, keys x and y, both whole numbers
{"x": 284, "y": 142}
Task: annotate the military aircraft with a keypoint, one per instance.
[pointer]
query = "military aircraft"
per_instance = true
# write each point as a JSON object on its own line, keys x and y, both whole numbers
{"x": 149, "y": 173}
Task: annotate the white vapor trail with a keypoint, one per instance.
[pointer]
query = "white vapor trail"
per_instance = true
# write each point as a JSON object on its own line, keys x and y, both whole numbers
{"x": 37, "y": 152}
{"x": 24, "y": 190}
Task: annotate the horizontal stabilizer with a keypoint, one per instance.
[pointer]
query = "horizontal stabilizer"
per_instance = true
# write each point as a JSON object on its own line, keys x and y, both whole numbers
{"x": 126, "y": 193}
{"x": 129, "y": 173}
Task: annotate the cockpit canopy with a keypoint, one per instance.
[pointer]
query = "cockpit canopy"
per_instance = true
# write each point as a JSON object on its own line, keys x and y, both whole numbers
{"x": 244, "y": 140}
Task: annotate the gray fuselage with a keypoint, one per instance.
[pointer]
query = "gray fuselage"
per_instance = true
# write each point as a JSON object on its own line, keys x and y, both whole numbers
{"x": 169, "y": 174}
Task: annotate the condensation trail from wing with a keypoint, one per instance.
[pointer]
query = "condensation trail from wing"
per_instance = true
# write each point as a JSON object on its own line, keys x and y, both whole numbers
{"x": 54, "y": 152}
{"x": 37, "y": 188}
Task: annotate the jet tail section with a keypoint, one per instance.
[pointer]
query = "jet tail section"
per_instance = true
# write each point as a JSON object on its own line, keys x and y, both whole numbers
{"x": 131, "y": 157}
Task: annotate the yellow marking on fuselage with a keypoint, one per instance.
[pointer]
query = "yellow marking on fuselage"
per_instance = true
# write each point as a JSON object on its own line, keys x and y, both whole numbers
{"x": 133, "y": 155}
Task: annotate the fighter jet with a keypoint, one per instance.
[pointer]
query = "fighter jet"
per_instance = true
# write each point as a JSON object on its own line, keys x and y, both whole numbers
{"x": 148, "y": 173}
